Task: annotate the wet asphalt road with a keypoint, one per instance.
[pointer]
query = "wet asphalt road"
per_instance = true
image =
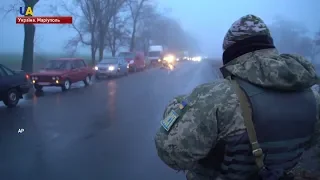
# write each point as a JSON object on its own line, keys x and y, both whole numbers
{"x": 104, "y": 131}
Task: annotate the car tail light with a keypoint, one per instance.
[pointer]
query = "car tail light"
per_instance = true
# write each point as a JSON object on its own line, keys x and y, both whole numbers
{"x": 27, "y": 76}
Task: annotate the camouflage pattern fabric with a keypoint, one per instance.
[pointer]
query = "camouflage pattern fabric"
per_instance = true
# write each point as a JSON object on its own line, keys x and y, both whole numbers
{"x": 213, "y": 112}
{"x": 247, "y": 26}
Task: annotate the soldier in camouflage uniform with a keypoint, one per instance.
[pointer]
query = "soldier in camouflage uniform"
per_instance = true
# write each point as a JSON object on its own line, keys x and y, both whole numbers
{"x": 209, "y": 122}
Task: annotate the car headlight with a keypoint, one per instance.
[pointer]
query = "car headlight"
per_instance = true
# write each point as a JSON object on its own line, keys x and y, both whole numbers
{"x": 169, "y": 58}
{"x": 111, "y": 68}
{"x": 96, "y": 68}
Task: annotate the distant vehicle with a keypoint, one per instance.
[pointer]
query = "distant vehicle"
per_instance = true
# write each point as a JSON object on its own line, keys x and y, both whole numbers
{"x": 112, "y": 67}
{"x": 196, "y": 58}
{"x": 13, "y": 85}
{"x": 155, "y": 54}
{"x": 136, "y": 60}
{"x": 62, "y": 73}
{"x": 169, "y": 59}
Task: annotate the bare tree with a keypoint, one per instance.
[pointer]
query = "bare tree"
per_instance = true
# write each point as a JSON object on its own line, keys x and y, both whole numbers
{"x": 29, "y": 34}
{"x": 85, "y": 23}
{"x": 136, "y": 7}
{"x": 110, "y": 9}
{"x": 91, "y": 22}
{"x": 72, "y": 46}
{"x": 168, "y": 32}
{"x": 288, "y": 34}
{"x": 292, "y": 37}
{"x": 148, "y": 19}
{"x": 304, "y": 46}
{"x": 117, "y": 35}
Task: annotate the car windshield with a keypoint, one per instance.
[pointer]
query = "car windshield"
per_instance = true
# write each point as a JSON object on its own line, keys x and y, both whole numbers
{"x": 57, "y": 65}
{"x": 109, "y": 61}
{"x": 126, "y": 54}
{"x": 154, "y": 54}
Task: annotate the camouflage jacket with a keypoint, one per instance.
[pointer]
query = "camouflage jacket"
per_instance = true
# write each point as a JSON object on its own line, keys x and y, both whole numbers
{"x": 213, "y": 112}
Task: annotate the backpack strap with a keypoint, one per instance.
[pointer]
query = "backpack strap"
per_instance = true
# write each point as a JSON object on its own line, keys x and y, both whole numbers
{"x": 247, "y": 116}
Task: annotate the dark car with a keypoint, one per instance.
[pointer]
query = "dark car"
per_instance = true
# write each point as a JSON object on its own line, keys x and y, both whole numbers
{"x": 136, "y": 60}
{"x": 62, "y": 73}
{"x": 112, "y": 67}
{"x": 13, "y": 85}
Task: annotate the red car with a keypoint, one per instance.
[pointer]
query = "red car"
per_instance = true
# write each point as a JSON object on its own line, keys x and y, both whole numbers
{"x": 62, "y": 73}
{"x": 136, "y": 60}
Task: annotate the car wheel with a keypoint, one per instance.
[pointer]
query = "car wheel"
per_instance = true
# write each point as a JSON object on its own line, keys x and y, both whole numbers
{"x": 87, "y": 80}
{"x": 38, "y": 87}
{"x": 66, "y": 85}
{"x": 12, "y": 98}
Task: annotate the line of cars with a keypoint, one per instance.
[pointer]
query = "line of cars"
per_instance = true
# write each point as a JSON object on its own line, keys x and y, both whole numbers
{"x": 63, "y": 72}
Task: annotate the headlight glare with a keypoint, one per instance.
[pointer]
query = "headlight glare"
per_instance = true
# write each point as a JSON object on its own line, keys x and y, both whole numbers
{"x": 111, "y": 68}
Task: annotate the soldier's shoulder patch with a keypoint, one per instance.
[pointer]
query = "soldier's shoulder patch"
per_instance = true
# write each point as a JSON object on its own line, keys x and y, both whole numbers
{"x": 169, "y": 120}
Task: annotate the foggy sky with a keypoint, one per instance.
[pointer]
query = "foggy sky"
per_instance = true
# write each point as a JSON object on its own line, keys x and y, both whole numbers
{"x": 207, "y": 20}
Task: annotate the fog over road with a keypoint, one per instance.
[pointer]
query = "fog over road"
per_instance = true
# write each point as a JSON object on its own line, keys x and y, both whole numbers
{"x": 104, "y": 131}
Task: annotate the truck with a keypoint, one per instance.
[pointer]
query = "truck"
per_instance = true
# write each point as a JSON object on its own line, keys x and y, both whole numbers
{"x": 155, "y": 54}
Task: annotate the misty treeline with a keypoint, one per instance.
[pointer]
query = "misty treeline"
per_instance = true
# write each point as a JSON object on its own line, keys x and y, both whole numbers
{"x": 111, "y": 25}
{"x": 294, "y": 37}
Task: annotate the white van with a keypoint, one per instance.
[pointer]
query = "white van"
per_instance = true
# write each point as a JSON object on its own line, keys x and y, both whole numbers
{"x": 155, "y": 53}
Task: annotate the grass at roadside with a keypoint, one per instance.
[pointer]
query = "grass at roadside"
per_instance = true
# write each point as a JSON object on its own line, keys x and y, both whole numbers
{"x": 13, "y": 60}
